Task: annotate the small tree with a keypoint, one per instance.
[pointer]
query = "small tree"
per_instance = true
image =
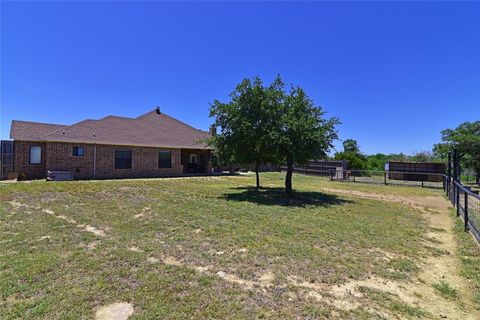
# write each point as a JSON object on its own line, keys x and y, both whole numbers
{"x": 466, "y": 139}
{"x": 248, "y": 124}
{"x": 303, "y": 132}
{"x": 351, "y": 153}
{"x": 350, "y": 145}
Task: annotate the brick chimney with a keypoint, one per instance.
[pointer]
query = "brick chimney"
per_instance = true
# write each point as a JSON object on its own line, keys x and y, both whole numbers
{"x": 212, "y": 131}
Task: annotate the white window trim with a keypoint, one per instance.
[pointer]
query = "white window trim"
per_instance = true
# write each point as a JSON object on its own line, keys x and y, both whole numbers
{"x": 30, "y": 155}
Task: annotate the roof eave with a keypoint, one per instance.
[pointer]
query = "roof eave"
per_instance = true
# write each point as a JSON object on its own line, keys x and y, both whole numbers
{"x": 104, "y": 143}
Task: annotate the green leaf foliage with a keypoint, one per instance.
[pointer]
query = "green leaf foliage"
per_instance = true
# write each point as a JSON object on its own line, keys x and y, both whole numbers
{"x": 466, "y": 139}
{"x": 304, "y": 132}
{"x": 268, "y": 124}
{"x": 351, "y": 153}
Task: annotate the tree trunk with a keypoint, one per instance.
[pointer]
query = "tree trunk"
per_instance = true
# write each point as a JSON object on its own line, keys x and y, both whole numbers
{"x": 288, "y": 176}
{"x": 257, "y": 175}
{"x": 477, "y": 178}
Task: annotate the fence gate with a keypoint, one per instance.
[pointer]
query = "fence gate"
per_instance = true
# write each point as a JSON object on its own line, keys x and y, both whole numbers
{"x": 6, "y": 158}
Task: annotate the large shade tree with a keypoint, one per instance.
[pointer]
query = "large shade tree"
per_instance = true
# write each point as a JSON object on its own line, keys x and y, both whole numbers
{"x": 466, "y": 139}
{"x": 248, "y": 124}
{"x": 304, "y": 133}
{"x": 266, "y": 124}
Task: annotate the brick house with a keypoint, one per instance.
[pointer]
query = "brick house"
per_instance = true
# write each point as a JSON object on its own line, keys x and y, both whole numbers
{"x": 151, "y": 145}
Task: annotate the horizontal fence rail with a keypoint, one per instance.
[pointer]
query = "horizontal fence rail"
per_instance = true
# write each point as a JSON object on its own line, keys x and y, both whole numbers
{"x": 318, "y": 167}
{"x": 309, "y": 171}
{"x": 465, "y": 200}
{"x": 399, "y": 178}
{"x": 466, "y": 203}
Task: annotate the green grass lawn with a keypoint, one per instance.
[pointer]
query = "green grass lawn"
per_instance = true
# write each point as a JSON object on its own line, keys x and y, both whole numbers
{"x": 205, "y": 247}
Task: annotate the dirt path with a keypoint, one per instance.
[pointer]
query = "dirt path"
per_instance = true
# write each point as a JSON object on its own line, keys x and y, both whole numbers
{"x": 444, "y": 267}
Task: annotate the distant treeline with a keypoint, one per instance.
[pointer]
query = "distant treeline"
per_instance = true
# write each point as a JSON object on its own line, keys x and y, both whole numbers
{"x": 465, "y": 139}
{"x": 360, "y": 161}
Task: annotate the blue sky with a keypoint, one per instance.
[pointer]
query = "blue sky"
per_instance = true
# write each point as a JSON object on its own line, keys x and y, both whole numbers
{"x": 394, "y": 73}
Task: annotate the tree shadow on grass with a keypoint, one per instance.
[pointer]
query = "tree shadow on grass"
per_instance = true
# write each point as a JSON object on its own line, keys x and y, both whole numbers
{"x": 277, "y": 196}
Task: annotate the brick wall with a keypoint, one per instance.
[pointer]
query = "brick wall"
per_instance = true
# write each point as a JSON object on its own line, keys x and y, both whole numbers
{"x": 59, "y": 156}
{"x": 22, "y": 160}
{"x": 144, "y": 163}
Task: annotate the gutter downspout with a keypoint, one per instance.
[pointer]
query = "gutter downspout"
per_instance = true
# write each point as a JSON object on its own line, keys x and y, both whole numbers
{"x": 94, "y": 158}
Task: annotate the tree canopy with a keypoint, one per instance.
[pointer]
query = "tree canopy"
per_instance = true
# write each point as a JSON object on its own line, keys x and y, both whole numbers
{"x": 350, "y": 145}
{"x": 248, "y": 124}
{"x": 268, "y": 124}
{"x": 351, "y": 152}
{"x": 304, "y": 132}
{"x": 466, "y": 139}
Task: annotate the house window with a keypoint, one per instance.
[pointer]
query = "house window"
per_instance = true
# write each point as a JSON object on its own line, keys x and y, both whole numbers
{"x": 164, "y": 159}
{"x": 193, "y": 158}
{"x": 78, "y": 151}
{"x": 123, "y": 159}
{"x": 35, "y": 155}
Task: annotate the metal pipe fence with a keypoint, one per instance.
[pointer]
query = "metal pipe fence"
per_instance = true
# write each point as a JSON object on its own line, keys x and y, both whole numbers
{"x": 396, "y": 178}
{"x": 467, "y": 204}
{"x": 465, "y": 200}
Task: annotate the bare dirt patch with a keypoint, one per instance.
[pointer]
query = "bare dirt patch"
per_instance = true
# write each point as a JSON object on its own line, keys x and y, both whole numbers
{"x": 93, "y": 230}
{"x": 143, "y": 213}
{"x": 153, "y": 260}
{"x": 90, "y": 246}
{"x": 139, "y": 216}
{"x": 84, "y": 227}
{"x": 115, "y": 311}
{"x": 242, "y": 250}
{"x": 44, "y": 238}
{"x": 171, "y": 261}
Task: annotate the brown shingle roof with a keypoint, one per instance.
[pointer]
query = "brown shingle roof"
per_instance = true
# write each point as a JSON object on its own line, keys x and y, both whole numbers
{"x": 26, "y": 130}
{"x": 150, "y": 129}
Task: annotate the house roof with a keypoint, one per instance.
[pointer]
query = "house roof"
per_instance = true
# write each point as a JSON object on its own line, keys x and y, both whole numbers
{"x": 150, "y": 130}
{"x": 26, "y": 130}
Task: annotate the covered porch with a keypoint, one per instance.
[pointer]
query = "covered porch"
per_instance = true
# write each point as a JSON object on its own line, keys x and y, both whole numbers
{"x": 195, "y": 161}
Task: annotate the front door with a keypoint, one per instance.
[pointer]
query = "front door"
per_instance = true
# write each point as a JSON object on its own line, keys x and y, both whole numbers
{"x": 192, "y": 162}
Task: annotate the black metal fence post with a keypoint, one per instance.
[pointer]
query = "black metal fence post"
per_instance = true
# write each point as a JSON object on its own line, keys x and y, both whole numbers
{"x": 455, "y": 158}
{"x": 465, "y": 215}
{"x": 385, "y": 177}
{"x": 449, "y": 172}
{"x": 457, "y": 199}
{"x": 447, "y": 182}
